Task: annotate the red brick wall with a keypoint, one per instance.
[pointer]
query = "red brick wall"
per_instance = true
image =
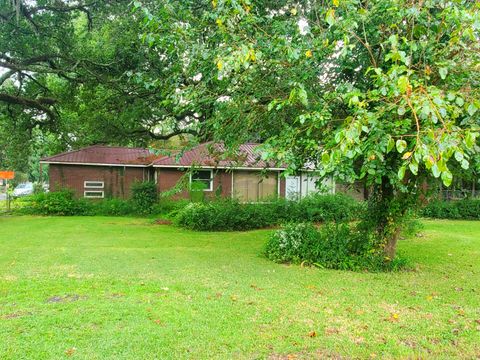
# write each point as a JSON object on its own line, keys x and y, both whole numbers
{"x": 117, "y": 180}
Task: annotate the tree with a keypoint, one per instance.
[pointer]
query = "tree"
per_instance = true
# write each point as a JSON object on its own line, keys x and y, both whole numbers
{"x": 78, "y": 71}
{"x": 384, "y": 91}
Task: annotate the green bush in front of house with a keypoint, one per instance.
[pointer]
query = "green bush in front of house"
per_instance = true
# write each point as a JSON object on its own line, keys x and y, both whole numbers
{"x": 225, "y": 215}
{"x": 328, "y": 207}
{"x": 60, "y": 202}
{"x": 229, "y": 215}
{"x": 144, "y": 196}
{"x": 467, "y": 209}
{"x": 112, "y": 207}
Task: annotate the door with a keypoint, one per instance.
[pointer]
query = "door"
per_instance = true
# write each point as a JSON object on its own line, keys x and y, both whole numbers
{"x": 292, "y": 185}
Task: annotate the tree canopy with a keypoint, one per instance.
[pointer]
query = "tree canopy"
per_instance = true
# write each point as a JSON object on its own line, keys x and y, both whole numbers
{"x": 384, "y": 91}
{"x": 73, "y": 74}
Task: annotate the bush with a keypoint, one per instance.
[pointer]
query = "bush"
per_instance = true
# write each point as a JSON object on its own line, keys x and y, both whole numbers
{"x": 112, "y": 207}
{"x": 169, "y": 207}
{"x": 334, "y": 246}
{"x": 56, "y": 203}
{"x": 225, "y": 215}
{"x": 38, "y": 188}
{"x": 320, "y": 208}
{"x": 468, "y": 209}
{"x": 222, "y": 215}
{"x": 292, "y": 243}
{"x": 144, "y": 196}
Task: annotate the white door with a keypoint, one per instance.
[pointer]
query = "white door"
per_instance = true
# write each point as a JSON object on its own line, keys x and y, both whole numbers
{"x": 308, "y": 184}
{"x": 293, "y": 187}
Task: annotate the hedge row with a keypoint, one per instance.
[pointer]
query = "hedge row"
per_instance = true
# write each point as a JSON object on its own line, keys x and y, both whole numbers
{"x": 468, "y": 209}
{"x": 229, "y": 215}
{"x": 64, "y": 203}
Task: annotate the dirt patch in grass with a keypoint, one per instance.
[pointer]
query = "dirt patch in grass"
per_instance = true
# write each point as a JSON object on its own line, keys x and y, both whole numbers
{"x": 66, "y": 298}
{"x": 163, "y": 222}
{"x": 16, "y": 315}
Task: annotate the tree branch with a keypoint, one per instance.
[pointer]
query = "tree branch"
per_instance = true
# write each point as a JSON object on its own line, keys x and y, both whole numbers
{"x": 39, "y": 104}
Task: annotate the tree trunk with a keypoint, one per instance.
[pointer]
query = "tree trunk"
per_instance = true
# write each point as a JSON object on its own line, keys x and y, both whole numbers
{"x": 388, "y": 229}
{"x": 391, "y": 244}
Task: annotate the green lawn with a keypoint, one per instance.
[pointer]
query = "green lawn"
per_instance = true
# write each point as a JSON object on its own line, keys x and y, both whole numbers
{"x": 123, "y": 288}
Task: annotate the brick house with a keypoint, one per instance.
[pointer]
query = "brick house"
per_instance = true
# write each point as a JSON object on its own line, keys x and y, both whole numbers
{"x": 101, "y": 171}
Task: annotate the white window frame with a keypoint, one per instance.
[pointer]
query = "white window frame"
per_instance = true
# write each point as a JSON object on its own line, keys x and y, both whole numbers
{"x": 87, "y": 186}
{"x": 210, "y": 188}
{"x": 101, "y": 194}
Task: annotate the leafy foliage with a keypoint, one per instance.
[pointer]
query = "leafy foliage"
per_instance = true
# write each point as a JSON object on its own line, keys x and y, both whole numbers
{"x": 56, "y": 203}
{"x": 333, "y": 246}
{"x": 467, "y": 209}
{"x": 384, "y": 92}
{"x": 144, "y": 196}
{"x": 225, "y": 215}
{"x": 231, "y": 215}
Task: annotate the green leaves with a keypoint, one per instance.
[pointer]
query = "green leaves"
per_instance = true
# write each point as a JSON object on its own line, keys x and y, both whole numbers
{"x": 401, "y": 145}
{"x": 403, "y": 83}
{"x": 472, "y": 109}
{"x": 447, "y": 178}
{"x": 470, "y": 139}
{"x": 330, "y": 17}
{"x": 299, "y": 95}
{"x": 390, "y": 144}
{"x": 443, "y": 71}
{"x": 413, "y": 166}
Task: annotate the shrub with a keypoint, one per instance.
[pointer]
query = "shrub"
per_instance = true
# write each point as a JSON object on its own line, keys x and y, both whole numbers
{"x": 56, "y": 203}
{"x": 468, "y": 209}
{"x": 169, "y": 207}
{"x": 144, "y": 196}
{"x": 321, "y": 207}
{"x": 197, "y": 193}
{"x": 38, "y": 188}
{"x": 225, "y": 215}
{"x": 333, "y": 246}
{"x": 291, "y": 243}
{"x": 112, "y": 207}
{"x": 232, "y": 215}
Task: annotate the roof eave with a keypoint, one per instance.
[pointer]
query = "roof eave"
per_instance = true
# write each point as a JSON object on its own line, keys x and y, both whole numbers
{"x": 92, "y": 164}
{"x": 178, "y": 166}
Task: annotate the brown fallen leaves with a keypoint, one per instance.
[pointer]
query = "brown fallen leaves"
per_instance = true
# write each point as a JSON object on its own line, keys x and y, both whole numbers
{"x": 71, "y": 351}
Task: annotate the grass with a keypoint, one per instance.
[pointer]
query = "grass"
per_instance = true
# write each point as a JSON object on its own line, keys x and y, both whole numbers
{"x": 123, "y": 288}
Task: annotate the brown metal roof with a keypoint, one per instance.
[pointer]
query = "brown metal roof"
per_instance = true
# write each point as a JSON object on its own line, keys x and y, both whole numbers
{"x": 108, "y": 155}
{"x": 214, "y": 155}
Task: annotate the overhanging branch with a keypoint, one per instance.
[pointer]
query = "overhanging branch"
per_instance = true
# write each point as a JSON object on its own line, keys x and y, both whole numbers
{"x": 41, "y": 104}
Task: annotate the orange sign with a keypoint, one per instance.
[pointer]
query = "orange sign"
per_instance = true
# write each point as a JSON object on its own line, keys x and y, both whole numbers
{"x": 7, "y": 175}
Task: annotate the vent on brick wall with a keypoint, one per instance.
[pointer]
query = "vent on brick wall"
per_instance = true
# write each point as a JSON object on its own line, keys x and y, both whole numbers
{"x": 93, "y": 184}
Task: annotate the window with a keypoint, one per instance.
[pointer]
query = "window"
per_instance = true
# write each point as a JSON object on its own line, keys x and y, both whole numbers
{"x": 93, "y": 194}
{"x": 204, "y": 177}
{"x": 93, "y": 184}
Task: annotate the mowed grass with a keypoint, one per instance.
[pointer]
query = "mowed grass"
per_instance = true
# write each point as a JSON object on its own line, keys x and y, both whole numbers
{"x": 124, "y": 288}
